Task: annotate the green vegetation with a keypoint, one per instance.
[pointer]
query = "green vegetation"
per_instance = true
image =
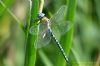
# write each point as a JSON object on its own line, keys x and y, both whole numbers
{"x": 81, "y": 43}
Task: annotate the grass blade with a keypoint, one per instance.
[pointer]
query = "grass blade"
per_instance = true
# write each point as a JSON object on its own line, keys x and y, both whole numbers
{"x": 66, "y": 40}
{"x": 30, "y": 56}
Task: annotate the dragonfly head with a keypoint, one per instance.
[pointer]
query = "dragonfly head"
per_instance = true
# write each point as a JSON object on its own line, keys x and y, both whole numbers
{"x": 44, "y": 19}
{"x": 41, "y": 15}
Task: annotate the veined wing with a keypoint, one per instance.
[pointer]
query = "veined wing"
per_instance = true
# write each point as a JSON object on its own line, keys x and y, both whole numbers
{"x": 59, "y": 15}
{"x": 58, "y": 23}
{"x": 43, "y": 37}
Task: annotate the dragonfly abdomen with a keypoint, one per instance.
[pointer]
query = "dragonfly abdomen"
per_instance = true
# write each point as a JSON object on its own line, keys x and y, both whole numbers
{"x": 58, "y": 44}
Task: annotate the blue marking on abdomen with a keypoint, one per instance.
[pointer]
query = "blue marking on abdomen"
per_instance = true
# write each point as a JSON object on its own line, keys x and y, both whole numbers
{"x": 58, "y": 44}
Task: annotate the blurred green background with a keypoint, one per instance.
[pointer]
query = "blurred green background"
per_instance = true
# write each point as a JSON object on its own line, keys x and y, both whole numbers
{"x": 85, "y": 50}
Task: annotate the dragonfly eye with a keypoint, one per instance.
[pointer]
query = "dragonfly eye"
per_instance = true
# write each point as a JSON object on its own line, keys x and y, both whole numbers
{"x": 41, "y": 15}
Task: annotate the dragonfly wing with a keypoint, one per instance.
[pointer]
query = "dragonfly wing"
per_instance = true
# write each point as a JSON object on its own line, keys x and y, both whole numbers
{"x": 43, "y": 37}
{"x": 64, "y": 26}
{"x": 58, "y": 24}
{"x": 56, "y": 19}
{"x": 61, "y": 28}
{"x": 33, "y": 30}
{"x": 59, "y": 15}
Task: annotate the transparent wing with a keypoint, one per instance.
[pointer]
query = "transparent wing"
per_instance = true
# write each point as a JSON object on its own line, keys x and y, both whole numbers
{"x": 59, "y": 15}
{"x": 43, "y": 37}
{"x": 59, "y": 25}
{"x": 42, "y": 40}
{"x": 61, "y": 28}
{"x": 64, "y": 27}
{"x": 33, "y": 30}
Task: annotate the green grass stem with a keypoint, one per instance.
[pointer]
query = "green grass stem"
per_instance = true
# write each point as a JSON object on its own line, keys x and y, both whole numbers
{"x": 66, "y": 40}
{"x": 30, "y": 56}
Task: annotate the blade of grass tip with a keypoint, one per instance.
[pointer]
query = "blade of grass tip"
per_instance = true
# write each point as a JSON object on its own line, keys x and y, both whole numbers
{"x": 45, "y": 59}
{"x": 30, "y": 53}
{"x": 66, "y": 40}
{"x": 13, "y": 16}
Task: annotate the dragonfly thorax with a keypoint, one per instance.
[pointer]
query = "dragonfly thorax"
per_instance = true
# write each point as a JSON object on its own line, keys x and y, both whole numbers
{"x": 45, "y": 21}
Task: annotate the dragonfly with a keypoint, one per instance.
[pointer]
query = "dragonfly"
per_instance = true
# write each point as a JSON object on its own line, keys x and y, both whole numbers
{"x": 51, "y": 28}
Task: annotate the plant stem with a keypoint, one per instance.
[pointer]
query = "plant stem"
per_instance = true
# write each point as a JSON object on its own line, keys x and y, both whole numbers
{"x": 41, "y": 6}
{"x": 66, "y": 40}
{"x": 45, "y": 59}
{"x": 30, "y": 55}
